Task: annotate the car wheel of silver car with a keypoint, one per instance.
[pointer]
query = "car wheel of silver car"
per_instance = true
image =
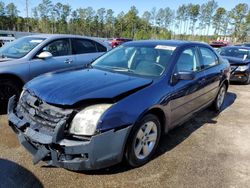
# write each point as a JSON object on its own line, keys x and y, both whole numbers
{"x": 8, "y": 88}
{"x": 220, "y": 98}
{"x": 143, "y": 140}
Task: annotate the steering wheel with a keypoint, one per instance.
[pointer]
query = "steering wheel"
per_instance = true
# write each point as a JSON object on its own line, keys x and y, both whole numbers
{"x": 161, "y": 66}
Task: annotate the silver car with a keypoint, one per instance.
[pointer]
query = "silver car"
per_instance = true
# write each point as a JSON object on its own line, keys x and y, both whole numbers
{"x": 30, "y": 56}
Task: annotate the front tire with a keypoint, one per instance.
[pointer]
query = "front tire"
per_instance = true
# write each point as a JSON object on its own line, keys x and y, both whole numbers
{"x": 218, "y": 103}
{"x": 248, "y": 80}
{"x": 143, "y": 141}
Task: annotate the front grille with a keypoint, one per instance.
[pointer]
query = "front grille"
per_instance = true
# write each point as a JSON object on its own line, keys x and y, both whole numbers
{"x": 41, "y": 116}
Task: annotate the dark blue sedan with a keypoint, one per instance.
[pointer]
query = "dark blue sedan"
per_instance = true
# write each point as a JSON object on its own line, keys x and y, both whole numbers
{"x": 119, "y": 106}
{"x": 239, "y": 59}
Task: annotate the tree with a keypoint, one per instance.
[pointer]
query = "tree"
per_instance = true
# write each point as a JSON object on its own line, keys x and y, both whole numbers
{"x": 44, "y": 11}
{"x": 109, "y": 22}
{"x": 181, "y": 17}
{"x": 210, "y": 8}
{"x": 2, "y": 15}
{"x": 193, "y": 11}
{"x": 2, "y": 9}
{"x": 168, "y": 17}
{"x": 12, "y": 13}
{"x": 218, "y": 20}
{"x": 100, "y": 17}
{"x": 238, "y": 15}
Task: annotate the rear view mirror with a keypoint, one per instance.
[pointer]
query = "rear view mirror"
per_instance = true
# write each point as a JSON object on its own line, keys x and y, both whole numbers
{"x": 44, "y": 55}
{"x": 185, "y": 75}
{"x": 182, "y": 76}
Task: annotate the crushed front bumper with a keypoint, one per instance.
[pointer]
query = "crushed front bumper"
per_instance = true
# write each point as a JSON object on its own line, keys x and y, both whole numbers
{"x": 239, "y": 76}
{"x": 100, "y": 151}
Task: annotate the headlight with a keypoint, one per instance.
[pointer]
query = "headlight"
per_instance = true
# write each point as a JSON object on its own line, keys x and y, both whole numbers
{"x": 242, "y": 68}
{"x": 21, "y": 94}
{"x": 85, "y": 121}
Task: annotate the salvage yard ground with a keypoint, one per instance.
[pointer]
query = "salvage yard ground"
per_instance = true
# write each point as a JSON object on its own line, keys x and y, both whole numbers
{"x": 207, "y": 151}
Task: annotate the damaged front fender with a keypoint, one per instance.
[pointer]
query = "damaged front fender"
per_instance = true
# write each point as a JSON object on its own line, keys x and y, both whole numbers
{"x": 97, "y": 152}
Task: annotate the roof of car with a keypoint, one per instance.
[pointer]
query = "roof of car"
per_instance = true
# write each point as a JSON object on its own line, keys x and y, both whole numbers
{"x": 61, "y": 35}
{"x": 164, "y": 42}
{"x": 238, "y": 47}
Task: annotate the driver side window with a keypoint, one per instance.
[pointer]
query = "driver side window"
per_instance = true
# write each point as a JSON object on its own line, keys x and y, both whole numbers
{"x": 188, "y": 61}
{"x": 58, "y": 48}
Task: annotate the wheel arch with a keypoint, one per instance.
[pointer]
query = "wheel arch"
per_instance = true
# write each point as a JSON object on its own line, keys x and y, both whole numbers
{"x": 226, "y": 82}
{"x": 159, "y": 113}
{"x": 12, "y": 77}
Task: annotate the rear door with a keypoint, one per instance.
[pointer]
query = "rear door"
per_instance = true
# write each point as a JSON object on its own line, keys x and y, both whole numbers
{"x": 86, "y": 50}
{"x": 213, "y": 70}
{"x": 188, "y": 94}
{"x": 62, "y": 58}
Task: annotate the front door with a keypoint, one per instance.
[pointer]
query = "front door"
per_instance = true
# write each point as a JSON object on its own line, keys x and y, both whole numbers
{"x": 62, "y": 58}
{"x": 187, "y": 95}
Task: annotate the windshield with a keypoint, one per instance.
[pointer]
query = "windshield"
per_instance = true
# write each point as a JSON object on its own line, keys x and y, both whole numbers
{"x": 20, "y": 47}
{"x": 235, "y": 52}
{"x": 138, "y": 60}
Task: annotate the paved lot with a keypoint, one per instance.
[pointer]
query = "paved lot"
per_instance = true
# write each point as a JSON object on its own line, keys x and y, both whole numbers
{"x": 207, "y": 151}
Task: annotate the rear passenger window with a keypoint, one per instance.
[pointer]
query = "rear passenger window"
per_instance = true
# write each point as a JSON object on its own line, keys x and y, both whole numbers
{"x": 82, "y": 46}
{"x": 188, "y": 61}
{"x": 209, "y": 58}
{"x": 100, "y": 47}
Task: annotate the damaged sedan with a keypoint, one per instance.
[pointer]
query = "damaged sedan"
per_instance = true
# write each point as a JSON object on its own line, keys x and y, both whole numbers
{"x": 119, "y": 106}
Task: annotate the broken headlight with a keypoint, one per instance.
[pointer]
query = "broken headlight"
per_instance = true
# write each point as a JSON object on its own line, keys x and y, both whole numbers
{"x": 242, "y": 68}
{"x": 21, "y": 94}
{"x": 85, "y": 121}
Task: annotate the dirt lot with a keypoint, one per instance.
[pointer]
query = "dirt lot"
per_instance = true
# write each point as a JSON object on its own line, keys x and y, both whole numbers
{"x": 207, "y": 151}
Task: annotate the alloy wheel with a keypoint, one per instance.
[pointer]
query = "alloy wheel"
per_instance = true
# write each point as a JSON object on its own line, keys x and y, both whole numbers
{"x": 221, "y": 96}
{"x": 145, "y": 140}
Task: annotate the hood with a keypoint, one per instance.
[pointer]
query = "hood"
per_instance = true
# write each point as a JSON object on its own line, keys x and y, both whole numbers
{"x": 5, "y": 59}
{"x": 236, "y": 61}
{"x": 71, "y": 87}
{"x": 10, "y": 61}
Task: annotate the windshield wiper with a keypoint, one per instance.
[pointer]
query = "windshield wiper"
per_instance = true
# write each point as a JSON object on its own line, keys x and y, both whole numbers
{"x": 89, "y": 65}
{"x": 122, "y": 69}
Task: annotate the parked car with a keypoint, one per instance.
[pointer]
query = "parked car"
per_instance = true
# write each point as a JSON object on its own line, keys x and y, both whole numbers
{"x": 244, "y": 44}
{"x": 30, "y": 56}
{"x": 5, "y": 39}
{"x": 118, "y": 41}
{"x": 119, "y": 106}
{"x": 218, "y": 44}
{"x": 239, "y": 58}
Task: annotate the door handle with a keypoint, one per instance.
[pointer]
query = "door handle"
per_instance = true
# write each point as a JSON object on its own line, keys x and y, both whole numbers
{"x": 202, "y": 81}
{"x": 68, "y": 61}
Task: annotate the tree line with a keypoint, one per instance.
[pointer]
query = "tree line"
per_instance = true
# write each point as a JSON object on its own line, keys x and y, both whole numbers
{"x": 189, "y": 21}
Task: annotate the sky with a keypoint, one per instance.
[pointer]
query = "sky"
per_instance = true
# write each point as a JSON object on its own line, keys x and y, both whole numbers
{"x": 123, "y": 5}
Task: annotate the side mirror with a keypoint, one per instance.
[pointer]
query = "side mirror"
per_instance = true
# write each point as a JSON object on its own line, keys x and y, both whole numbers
{"x": 44, "y": 55}
{"x": 182, "y": 76}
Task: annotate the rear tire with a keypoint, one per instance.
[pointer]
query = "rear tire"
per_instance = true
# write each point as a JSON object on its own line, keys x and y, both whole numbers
{"x": 8, "y": 88}
{"x": 143, "y": 141}
{"x": 218, "y": 103}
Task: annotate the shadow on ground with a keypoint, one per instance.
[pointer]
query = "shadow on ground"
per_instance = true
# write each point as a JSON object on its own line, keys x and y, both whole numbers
{"x": 14, "y": 175}
{"x": 175, "y": 136}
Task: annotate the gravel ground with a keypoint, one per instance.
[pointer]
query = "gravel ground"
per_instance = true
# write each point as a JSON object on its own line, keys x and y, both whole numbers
{"x": 208, "y": 151}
